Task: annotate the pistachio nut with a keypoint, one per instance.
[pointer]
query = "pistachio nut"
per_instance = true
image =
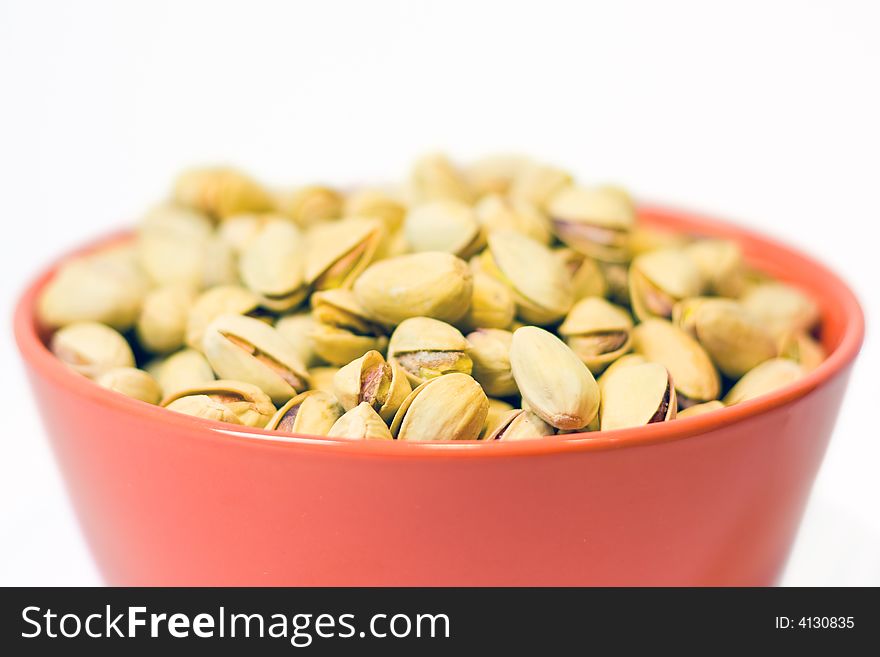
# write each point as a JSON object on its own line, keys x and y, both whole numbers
{"x": 537, "y": 183}
{"x": 490, "y": 352}
{"x": 498, "y": 412}
{"x": 637, "y": 395}
{"x": 587, "y": 278}
{"x": 492, "y": 304}
{"x": 692, "y": 371}
{"x": 594, "y": 221}
{"x": 659, "y": 279}
{"x": 93, "y": 289}
{"x": 322, "y": 378}
{"x": 624, "y": 361}
{"x": 435, "y": 177}
{"x": 360, "y": 423}
{"x": 496, "y": 212}
{"x": 131, "y": 382}
{"x": 246, "y": 349}
{"x": 616, "y": 277}
{"x": 735, "y": 341}
{"x": 426, "y": 348}
{"x": 699, "y": 409}
{"x": 239, "y": 230}
{"x": 311, "y": 205}
{"x": 766, "y": 377}
{"x": 370, "y": 379}
{"x": 310, "y": 413}
{"x": 553, "y": 381}
{"x": 444, "y": 225}
{"x": 495, "y": 174}
{"x": 272, "y": 265}
{"x": 781, "y": 308}
{"x": 521, "y": 425}
{"x": 91, "y": 348}
{"x": 337, "y": 252}
{"x": 802, "y": 348}
{"x": 216, "y": 301}
{"x": 220, "y": 192}
{"x": 598, "y": 332}
{"x": 539, "y": 281}
{"x": 721, "y": 266}
{"x": 449, "y": 407}
{"x": 184, "y": 369}
{"x": 430, "y": 284}
{"x": 343, "y": 331}
{"x": 393, "y": 244}
{"x": 298, "y": 329}
{"x": 643, "y": 239}
{"x": 376, "y": 204}
{"x": 161, "y": 327}
{"x": 235, "y": 402}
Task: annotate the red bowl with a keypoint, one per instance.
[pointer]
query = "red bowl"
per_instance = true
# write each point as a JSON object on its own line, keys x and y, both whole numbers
{"x": 716, "y": 499}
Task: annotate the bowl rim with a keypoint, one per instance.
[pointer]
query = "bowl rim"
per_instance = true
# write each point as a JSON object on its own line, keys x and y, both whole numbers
{"x": 38, "y": 357}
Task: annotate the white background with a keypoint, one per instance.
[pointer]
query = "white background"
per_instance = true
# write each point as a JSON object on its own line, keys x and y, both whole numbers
{"x": 763, "y": 112}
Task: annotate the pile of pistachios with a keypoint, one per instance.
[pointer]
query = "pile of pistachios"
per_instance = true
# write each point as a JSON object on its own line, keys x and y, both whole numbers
{"x": 495, "y": 301}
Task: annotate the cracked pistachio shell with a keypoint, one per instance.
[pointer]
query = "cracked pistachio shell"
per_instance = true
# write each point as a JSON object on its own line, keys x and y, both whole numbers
{"x": 239, "y": 230}
{"x": 272, "y": 265}
{"x": 370, "y": 379}
{"x": 435, "y": 177}
{"x": 91, "y": 348}
{"x": 699, "y": 409}
{"x": 176, "y": 245}
{"x": 692, "y": 371}
{"x": 161, "y": 327}
{"x": 644, "y": 239}
{"x": 492, "y": 304}
{"x": 310, "y": 413}
{"x": 721, "y": 266}
{"x": 660, "y": 279}
{"x": 594, "y": 221}
{"x": 553, "y": 381}
{"x": 337, "y": 252}
{"x": 297, "y": 329}
{"x": 598, "y": 332}
{"x": 498, "y": 412}
{"x": 520, "y": 424}
{"x": 444, "y": 225}
{"x": 235, "y": 402}
{"x": 426, "y": 348}
{"x": 393, "y": 244}
{"x": 802, "y": 348}
{"x": 249, "y": 350}
{"x": 216, "y": 301}
{"x": 360, "y": 423}
{"x": 496, "y": 212}
{"x": 93, "y": 289}
{"x": 734, "y": 339}
{"x": 220, "y": 192}
{"x": 377, "y": 204}
{"x": 322, "y": 378}
{"x": 494, "y": 174}
{"x": 624, "y": 361}
{"x": 587, "y": 278}
{"x": 637, "y": 395}
{"x": 449, "y": 407}
{"x": 131, "y": 382}
{"x": 312, "y": 204}
{"x": 340, "y": 308}
{"x": 537, "y": 183}
{"x": 617, "y": 279}
{"x": 430, "y": 284}
{"x": 539, "y": 281}
{"x": 490, "y": 353}
{"x": 781, "y": 308}
{"x": 766, "y": 377}
{"x": 184, "y": 369}
{"x": 339, "y": 346}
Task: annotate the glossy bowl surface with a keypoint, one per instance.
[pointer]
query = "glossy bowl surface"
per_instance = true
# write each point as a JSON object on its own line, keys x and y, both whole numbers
{"x": 716, "y": 499}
